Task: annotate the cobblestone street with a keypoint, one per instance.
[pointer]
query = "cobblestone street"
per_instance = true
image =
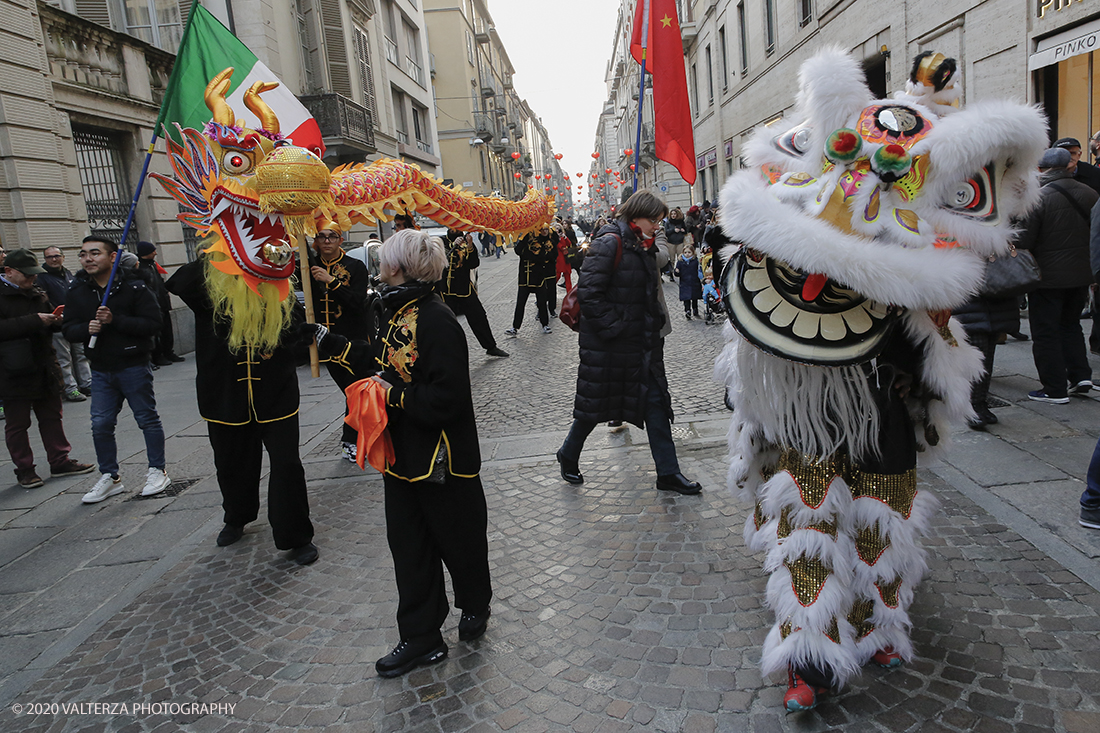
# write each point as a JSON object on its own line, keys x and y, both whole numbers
{"x": 616, "y": 608}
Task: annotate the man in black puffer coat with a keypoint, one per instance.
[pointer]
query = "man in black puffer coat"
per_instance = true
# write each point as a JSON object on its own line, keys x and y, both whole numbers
{"x": 1057, "y": 233}
{"x": 622, "y": 369}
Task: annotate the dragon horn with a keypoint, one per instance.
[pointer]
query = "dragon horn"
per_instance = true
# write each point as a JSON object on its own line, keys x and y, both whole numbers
{"x": 215, "y": 98}
{"x": 258, "y": 107}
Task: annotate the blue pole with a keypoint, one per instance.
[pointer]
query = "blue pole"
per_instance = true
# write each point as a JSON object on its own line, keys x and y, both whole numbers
{"x": 641, "y": 101}
{"x": 126, "y": 229}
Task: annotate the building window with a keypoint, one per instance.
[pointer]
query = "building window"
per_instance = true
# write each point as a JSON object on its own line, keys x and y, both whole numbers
{"x": 710, "y": 77}
{"x": 104, "y": 185}
{"x": 725, "y": 59}
{"x": 805, "y": 12}
{"x": 695, "y": 90}
{"x": 154, "y": 21}
{"x": 422, "y": 129}
{"x": 391, "y": 33}
{"x": 362, "y": 52}
{"x": 703, "y": 183}
{"x": 469, "y": 47}
{"x": 769, "y": 23}
{"x": 742, "y": 31}
{"x": 412, "y": 54}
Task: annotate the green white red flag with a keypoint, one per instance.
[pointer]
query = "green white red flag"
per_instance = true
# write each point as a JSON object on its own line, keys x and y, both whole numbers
{"x": 207, "y": 48}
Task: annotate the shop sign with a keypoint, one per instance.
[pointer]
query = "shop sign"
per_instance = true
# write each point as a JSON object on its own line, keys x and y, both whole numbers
{"x": 1045, "y": 6}
{"x": 1065, "y": 45}
{"x": 700, "y": 162}
{"x": 729, "y": 148}
{"x": 712, "y": 156}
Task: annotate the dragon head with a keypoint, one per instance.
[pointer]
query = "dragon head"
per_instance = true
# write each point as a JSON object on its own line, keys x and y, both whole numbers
{"x": 247, "y": 191}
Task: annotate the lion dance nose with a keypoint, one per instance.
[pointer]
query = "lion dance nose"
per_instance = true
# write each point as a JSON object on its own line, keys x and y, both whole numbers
{"x": 292, "y": 181}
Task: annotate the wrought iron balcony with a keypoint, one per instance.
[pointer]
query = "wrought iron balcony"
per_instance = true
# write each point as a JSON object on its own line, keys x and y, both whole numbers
{"x": 484, "y": 126}
{"x": 347, "y": 127}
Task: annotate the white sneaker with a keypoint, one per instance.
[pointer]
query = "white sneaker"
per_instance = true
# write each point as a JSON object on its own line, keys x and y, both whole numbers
{"x": 547, "y": 329}
{"x": 156, "y": 481}
{"x": 349, "y": 451}
{"x": 107, "y": 485}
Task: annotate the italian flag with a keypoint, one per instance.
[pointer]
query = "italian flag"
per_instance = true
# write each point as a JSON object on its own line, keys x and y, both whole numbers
{"x": 208, "y": 48}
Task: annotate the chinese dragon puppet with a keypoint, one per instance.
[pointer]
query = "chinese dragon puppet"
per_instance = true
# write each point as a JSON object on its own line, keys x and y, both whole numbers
{"x": 857, "y": 228}
{"x": 248, "y": 192}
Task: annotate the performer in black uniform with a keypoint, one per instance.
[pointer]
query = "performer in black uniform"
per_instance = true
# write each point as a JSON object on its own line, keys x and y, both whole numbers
{"x": 249, "y": 399}
{"x": 435, "y": 504}
{"x": 537, "y": 256}
{"x": 339, "y": 304}
{"x": 460, "y": 293}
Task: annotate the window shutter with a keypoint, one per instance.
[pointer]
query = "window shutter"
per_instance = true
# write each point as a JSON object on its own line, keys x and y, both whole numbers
{"x": 94, "y": 10}
{"x": 362, "y": 48}
{"x": 333, "y": 31}
{"x": 185, "y": 11}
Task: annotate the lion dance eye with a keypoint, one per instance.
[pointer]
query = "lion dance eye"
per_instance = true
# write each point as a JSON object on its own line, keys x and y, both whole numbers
{"x": 976, "y": 197}
{"x": 965, "y": 196}
{"x": 236, "y": 163}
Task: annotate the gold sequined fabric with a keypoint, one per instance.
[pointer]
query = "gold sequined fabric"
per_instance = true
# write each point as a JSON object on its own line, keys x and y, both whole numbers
{"x": 785, "y": 527}
{"x": 812, "y": 477}
{"x": 860, "y": 617}
{"x": 833, "y": 632}
{"x": 889, "y": 591}
{"x": 785, "y": 629}
{"x": 759, "y": 518}
{"x": 897, "y": 490}
{"x": 870, "y": 544}
{"x": 808, "y": 576}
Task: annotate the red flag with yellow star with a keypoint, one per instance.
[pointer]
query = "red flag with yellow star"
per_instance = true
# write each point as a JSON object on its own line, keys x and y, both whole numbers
{"x": 656, "y": 39}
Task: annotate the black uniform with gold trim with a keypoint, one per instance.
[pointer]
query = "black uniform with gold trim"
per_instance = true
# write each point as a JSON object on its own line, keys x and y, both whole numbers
{"x": 459, "y": 291}
{"x": 250, "y": 401}
{"x": 341, "y": 305}
{"x": 538, "y": 254}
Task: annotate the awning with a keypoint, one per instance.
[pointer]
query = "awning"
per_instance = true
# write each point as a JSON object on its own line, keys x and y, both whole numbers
{"x": 1067, "y": 44}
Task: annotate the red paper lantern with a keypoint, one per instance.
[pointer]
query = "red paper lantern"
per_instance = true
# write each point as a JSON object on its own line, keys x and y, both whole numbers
{"x": 629, "y": 151}
{"x": 555, "y": 188}
{"x": 596, "y": 155}
{"x": 607, "y": 171}
{"x": 517, "y": 175}
{"x": 631, "y": 166}
{"x": 547, "y": 189}
{"x": 580, "y": 175}
{"x": 557, "y": 156}
{"x": 547, "y": 176}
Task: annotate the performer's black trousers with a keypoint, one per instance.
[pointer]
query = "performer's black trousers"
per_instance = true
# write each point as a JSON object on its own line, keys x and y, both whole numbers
{"x": 343, "y": 378}
{"x": 237, "y": 456}
{"x": 471, "y": 307}
{"x": 429, "y": 526}
{"x": 542, "y": 302}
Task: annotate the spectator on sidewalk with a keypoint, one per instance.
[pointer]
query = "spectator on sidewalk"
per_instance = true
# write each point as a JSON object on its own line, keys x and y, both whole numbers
{"x": 460, "y": 293}
{"x": 75, "y": 369}
{"x": 30, "y": 378}
{"x": 164, "y": 347}
{"x": 1057, "y": 233}
{"x": 121, "y": 371}
{"x": 1083, "y": 172}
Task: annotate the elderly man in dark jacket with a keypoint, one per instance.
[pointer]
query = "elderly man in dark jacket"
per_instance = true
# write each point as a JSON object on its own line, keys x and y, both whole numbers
{"x": 622, "y": 369}
{"x": 30, "y": 378}
{"x": 1057, "y": 233}
{"x": 74, "y": 364}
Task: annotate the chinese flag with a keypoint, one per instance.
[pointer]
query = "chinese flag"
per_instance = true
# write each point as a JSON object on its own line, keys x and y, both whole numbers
{"x": 664, "y": 59}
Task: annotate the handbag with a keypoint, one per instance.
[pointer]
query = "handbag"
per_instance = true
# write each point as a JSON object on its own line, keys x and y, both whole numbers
{"x": 1010, "y": 275}
{"x": 570, "y": 310}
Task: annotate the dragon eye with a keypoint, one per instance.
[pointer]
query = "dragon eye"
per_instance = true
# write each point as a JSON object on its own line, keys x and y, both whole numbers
{"x": 236, "y": 163}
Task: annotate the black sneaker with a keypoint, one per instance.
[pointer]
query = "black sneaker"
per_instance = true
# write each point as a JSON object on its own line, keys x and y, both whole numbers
{"x": 496, "y": 351}
{"x": 1090, "y": 518}
{"x": 472, "y": 625}
{"x": 407, "y": 655}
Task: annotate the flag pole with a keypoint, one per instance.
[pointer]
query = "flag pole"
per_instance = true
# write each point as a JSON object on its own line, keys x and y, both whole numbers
{"x": 641, "y": 92}
{"x": 126, "y": 229}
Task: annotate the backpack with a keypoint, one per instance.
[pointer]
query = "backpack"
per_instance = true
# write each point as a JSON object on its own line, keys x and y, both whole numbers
{"x": 570, "y": 310}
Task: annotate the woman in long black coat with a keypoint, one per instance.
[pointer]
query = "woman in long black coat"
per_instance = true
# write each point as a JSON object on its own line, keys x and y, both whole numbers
{"x": 622, "y": 369}
{"x": 984, "y": 319}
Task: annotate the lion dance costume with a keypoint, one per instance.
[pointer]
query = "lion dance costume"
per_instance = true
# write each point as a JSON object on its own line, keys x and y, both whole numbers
{"x": 860, "y": 225}
{"x": 248, "y": 192}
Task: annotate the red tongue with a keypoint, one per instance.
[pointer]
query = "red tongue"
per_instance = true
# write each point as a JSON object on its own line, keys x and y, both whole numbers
{"x": 813, "y": 287}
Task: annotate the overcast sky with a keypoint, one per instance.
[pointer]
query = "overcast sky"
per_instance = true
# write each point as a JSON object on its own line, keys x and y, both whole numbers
{"x": 560, "y": 51}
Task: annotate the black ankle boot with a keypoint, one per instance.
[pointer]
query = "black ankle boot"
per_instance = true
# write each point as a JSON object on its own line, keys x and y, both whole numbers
{"x": 570, "y": 471}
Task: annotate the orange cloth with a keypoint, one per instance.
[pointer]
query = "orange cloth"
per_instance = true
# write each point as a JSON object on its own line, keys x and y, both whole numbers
{"x": 367, "y": 414}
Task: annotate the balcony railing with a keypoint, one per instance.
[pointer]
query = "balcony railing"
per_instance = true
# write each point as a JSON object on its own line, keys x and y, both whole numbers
{"x": 402, "y": 137}
{"x": 484, "y": 127}
{"x": 391, "y": 51}
{"x": 414, "y": 70}
{"x": 425, "y": 147}
{"x": 340, "y": 117}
